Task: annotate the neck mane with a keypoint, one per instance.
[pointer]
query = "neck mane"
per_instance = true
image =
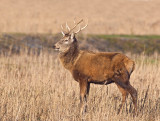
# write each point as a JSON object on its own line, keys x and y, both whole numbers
{"x": 69, "y": 57}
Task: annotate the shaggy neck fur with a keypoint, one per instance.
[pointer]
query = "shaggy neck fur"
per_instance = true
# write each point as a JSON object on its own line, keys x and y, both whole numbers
{"x": 68, "y": 58}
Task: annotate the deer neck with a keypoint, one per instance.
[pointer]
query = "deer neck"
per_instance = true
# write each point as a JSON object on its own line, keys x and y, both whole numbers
{"x": 69, "y": 57}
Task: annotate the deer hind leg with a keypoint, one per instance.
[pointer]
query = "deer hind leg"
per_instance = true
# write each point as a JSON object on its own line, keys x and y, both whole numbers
{"x": 124, "y": 83}
{"x": 124, "y": 96}
{"x": 131, "y": 90}
{"x": 133, "y": 94}
{"x": 84, "y": 92}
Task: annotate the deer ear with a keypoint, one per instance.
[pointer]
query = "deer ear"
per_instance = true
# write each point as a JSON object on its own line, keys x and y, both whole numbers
{"x": 72, "y": 36}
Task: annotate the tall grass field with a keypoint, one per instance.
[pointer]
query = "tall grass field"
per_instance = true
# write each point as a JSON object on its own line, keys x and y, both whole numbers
{"x": 38, "y": 88}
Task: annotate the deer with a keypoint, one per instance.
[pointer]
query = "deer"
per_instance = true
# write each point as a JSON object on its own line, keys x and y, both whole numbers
{"x": 88, "y": 67}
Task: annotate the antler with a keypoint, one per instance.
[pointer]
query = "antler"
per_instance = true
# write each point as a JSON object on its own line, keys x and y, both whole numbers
{"x": 67, "y": 27}
{"x": 62, "y": 31}
{"x": 80, "y": 29}
{"x": 76, "y": 24}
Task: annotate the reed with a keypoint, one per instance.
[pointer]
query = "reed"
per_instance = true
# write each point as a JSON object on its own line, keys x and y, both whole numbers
{"x": 38, "y": 88}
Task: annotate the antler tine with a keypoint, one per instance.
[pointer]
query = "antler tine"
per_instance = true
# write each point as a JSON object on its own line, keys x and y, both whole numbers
{"x": 80, "y": 29}
{"x": 85, "y": 25}
{"x": 67, "y": 27}
{"x": 76, "y": 24}
{"x": 62, "y": 31}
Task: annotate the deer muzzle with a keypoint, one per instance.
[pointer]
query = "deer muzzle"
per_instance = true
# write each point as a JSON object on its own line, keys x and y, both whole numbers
{"x": 55, "y": 47}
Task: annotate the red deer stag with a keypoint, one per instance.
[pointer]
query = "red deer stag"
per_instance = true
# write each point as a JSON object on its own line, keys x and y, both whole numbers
{"x": 98, "y": 68}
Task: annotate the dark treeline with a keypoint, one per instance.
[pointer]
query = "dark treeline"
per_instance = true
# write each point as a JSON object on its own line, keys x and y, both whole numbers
{"x": 17, "y": 43}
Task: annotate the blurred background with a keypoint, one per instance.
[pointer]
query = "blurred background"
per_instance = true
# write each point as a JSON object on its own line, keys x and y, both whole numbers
{"x": 105, "y": 16}
{"x": 138, "y": 19}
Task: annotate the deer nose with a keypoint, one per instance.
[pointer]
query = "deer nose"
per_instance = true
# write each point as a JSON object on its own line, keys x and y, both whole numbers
{"x": 54, "y": 47}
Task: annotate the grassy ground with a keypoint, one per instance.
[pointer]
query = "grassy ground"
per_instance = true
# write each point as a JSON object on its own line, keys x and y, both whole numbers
{"x": 39, "y": 88}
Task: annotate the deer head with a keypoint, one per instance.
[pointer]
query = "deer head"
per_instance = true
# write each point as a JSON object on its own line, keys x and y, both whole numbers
{"x": 68, "y": 39}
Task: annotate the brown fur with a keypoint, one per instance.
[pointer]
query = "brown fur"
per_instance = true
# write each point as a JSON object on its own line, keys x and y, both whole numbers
{"x": 99, "y": 68}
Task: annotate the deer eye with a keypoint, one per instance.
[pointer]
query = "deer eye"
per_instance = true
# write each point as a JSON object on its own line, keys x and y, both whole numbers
{"x": 65, "y": 41}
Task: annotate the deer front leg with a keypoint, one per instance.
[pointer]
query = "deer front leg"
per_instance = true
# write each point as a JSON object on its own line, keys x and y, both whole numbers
{"x": 84, "y": 92}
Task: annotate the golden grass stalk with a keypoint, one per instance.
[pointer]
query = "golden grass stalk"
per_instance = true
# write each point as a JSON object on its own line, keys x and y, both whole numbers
{"x": 39, "y": 88}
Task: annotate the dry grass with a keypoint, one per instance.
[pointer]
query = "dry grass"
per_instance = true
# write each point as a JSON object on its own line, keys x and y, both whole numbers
{"x": 105, "y": 16}
{"x": 38, "y": 88}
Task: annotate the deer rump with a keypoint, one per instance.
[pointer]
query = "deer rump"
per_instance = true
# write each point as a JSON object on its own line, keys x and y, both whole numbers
{"x": 100, "y": 68}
